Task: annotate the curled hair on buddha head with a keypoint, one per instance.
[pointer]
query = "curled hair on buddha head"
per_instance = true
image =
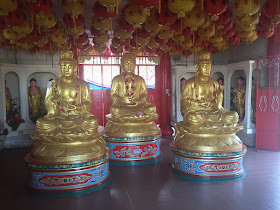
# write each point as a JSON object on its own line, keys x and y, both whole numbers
{"x": 32, "y": 79}
{"x": 221, "y": 78}
{"x": 66, "y": 56}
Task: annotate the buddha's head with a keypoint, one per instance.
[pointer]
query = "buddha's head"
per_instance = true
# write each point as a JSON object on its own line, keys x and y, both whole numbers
{"x": 67, "y": 64}
{"x": 240, "y": 80}
{"x": 128, "y": 63}
{"x": 203, "y": 66}
{"x": 32, "y": 82}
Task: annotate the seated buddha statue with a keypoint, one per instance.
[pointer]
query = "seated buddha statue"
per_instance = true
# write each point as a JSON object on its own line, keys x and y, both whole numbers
{"x": 205, "y": 122}
{"x": 69, "y": 130}
{"x": 34, "y": 100}
{"x": 129, "y": 100}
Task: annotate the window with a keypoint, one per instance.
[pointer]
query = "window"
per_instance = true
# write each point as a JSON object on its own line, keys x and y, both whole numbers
{"x": 99, "y": 71}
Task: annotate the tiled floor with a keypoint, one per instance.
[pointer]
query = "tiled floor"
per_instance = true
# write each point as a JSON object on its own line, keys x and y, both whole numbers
{"x": 152, "y": 187}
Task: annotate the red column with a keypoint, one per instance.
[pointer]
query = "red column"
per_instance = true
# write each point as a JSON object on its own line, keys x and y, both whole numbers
{"x": 165, "y": 96}
{"x": 273, "y": 43}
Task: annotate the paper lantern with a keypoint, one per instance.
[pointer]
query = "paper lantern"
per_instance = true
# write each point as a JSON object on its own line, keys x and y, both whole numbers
{"x": 271, "y": 8}
{"x": 151, "y": 25}
{"x": 101, "y": 24}
{"x": 121, "y": 34}
{"x": 180, "y": 7}
{"x": 246, "y": 7}
{"x": 35, "y": 35}
{"x": 224, "y": 18}
{"x": 10, "y": 34}
{"x": 83, "y": 38}
{"x": 27, "y": 45}
{"x": 135, "y": 15}
{"x": 208, "y": 31}
{"x": 44, "y": 6}
{"x": 178, "y": 25}
{"x": 141, "y": 33}
{"x": 45, "y": 20}
{"x": 75, "y": 31}
{"x": 165, "y": 16}
{"x": 248, "y": 20}
{"x": 124, "y": 25}
{"x": 187, "y": 43}
{"x": 101, "y": 39}
{"x": 147, "y": 3}
{"x": 74, "y": 7}
{"x": 78, "y": 22}
{"x": 152, "y": 44}
{"x": 7, "y": 6}
{"x": 96, "y": 32}
{"x": 16, "y": 18}
{"x": 60, "y": 37}
{"x": 141, "y": 41}
{"x": 215, "y": 7}
{"x": 101, "y": 11}
{"x": 166, "y": 33}
{"x": 265, "y": 33}
{"x": 110, "y": 4}
{"x": 194, "y": 18}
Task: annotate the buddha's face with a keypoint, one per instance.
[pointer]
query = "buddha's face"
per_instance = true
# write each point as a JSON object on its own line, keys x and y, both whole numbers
{"x": 240, "y": 81}
{"x": 33, "y": 84}
{"x": 67, "y": 69}
{"x": 129, "y": 66}
{"x": 220, "y": 82}
{"x": 205, "y": 69}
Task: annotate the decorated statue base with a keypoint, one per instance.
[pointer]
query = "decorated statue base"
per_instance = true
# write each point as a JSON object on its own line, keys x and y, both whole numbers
{"x": 134, "y": 143}
{"x": 68, "y": 177}
{"x": 208, "y": 166}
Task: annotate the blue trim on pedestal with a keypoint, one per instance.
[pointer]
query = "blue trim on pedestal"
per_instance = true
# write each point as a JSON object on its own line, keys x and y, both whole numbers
{"x": 51, "y": 178}
{"x": 206, "y": 179}
{"x": 208, "y": 166}
{"x": 60, "y": 194}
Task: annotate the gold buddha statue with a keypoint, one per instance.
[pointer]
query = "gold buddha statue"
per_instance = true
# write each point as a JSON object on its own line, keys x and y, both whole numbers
{"x": 131, "y": 114}
{"x": 239, "y": 98}
{"x": 34, "y": 100}
{"x": 207, "y": 125}
{"x": 69, "y": 131}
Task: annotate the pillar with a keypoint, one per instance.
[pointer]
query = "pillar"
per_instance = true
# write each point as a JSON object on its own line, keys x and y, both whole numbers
{"x": 165, "y": 96}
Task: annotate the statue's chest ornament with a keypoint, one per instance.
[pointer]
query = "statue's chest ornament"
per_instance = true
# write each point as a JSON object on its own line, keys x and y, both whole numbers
{"x": 195, "y": 94}
{"x": 129, "y": 86}
{"x": 65, "y": 107}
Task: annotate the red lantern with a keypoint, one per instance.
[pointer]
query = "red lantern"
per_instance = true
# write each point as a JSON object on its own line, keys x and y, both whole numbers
{"x": 265, "y": 20}
{"x": 116, "y": 51}
{"x": 187, "y": 31}
{"x": 224, "y": 18}
{"x": 229, "y": 33}
{"x": 54, "y": 29}
{"x": 141, "y": 33}
{"x": 121, "y": 42}
{"x": 210, "y": 48}
{"x": 146, "y": 3}
{"x": 271, "y": 8}
{"x": 159, "y": 40}
{"x": 165, "y": 17}
{"x": 178, "y": 25}
{"x": 2, "y": 24}
{"x": 265, "y": 33}
{"x": 215, "y": 7}
{"x": 149, "y": 50}
{"x": 124, "y": 25}
{"x": 43, "y": 6}
{"x": 228, "y": 26}
{"x": 234, "y": 41}
{"x": 159, "y": 52}
{"x": 35, "y": 35}
{"x": 16, "y": 18}
{"x": 96, "y": 32}
{"x": 47, "y": 46}
{"x": 82, "y": 38}
{"x": 101, "y": 11}
{"x": 78, "y": 22}
{"x": 171, "y": 43}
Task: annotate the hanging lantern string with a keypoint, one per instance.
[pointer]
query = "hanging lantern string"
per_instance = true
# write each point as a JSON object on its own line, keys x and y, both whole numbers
{"x": 159, "y": 6}
{"x": 202, "y": 4}
{"x": 117, "y": 6}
